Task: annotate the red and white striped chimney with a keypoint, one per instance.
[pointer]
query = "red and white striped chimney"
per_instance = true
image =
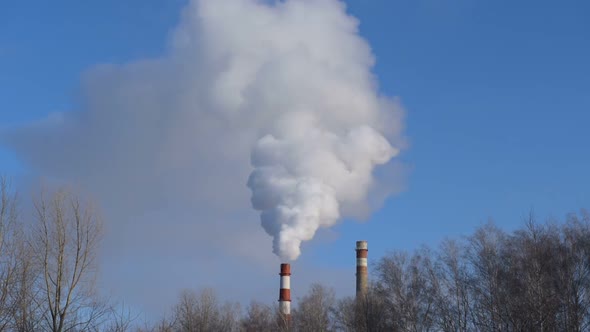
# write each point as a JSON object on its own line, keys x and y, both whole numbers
{"x": 285, "y": 292}
{"x": 362, "y": 275}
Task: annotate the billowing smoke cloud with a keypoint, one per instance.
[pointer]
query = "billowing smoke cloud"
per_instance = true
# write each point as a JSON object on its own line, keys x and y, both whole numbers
{"x": 321, "y": 142}
{"x": 306, "y": 171}
{"x": 276, "y": 94}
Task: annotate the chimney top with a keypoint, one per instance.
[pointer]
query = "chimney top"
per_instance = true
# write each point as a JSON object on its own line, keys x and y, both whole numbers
{"x": 361, "y": 245}
{"x": 285, "y": 269}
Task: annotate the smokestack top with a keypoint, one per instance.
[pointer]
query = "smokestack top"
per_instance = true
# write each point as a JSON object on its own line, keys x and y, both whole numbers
{"x": 285, "y": 269}
{"x": 361, "y": 245}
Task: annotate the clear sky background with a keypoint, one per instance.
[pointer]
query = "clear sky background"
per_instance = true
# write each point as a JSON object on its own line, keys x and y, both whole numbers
{"x": 497, "y": 95}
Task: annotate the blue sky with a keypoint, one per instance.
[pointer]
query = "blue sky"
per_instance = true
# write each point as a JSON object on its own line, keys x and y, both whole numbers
{"x": 497, "y": 104}
{"x": 497, "y": 95}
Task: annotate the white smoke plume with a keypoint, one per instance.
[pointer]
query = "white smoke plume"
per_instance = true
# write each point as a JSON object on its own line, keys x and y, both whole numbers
{"x": 322, "y": 141}
{"x": 303, "y": 174}
{"x": 278, "y": 94}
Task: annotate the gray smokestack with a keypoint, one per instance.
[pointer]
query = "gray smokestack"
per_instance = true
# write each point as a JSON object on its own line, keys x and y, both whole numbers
{"x": 362, "y": 275}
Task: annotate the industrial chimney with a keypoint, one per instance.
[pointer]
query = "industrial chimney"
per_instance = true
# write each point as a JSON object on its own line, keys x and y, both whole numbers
{"x": 285, "y": 292}
{"x": 362, "y": 278}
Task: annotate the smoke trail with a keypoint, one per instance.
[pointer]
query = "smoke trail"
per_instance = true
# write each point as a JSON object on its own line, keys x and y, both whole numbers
{"x": 277, "y": 92}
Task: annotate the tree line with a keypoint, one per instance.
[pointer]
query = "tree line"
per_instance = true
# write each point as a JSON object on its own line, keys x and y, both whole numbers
{"x": 536, "y": 278}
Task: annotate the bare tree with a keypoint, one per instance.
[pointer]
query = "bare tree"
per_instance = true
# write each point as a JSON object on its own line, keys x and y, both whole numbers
{"x": 532, "y": 255}
{"x": 66, "y": 243}
{"x": 200, "y": 312}
{"x": 314, "y": 310}
{"x": 28, "y": 310}
{"x": 404, "y": 283}
{"x": 191, "y": 314}
{"x": 485, "y": 254}
{"x": 120, "y": 319}
{"x": 9, "y": 260}
{"x": 365, "y": 313}
{"x": 259, "y": 318}
{"x": 575, "y": 274}
{"x": 264, "y": 318}
{"x": 451, "y": 282}
{"x": 165, "y": 324}
{"x": 344, "y": 315}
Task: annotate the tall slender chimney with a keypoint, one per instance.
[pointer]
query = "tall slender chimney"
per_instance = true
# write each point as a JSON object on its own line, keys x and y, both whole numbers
{"x": 362, "y": 278}
{"x": 285, "y": 292}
